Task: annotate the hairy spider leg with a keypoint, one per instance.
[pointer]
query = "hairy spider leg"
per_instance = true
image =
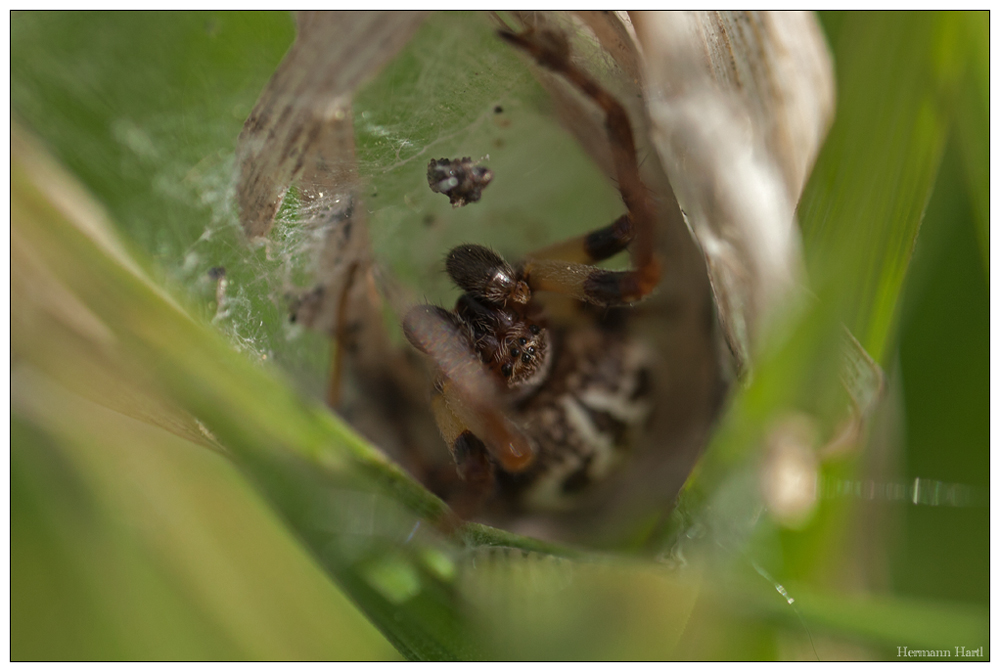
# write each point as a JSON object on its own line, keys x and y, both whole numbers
{"x": 562, "y": 267}
{"x": 589, "y": 248}
{"x": 467, "y": 403}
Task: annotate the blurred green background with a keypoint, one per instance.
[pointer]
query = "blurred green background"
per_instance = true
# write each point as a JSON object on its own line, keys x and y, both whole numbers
{"x": 265, "y": 530}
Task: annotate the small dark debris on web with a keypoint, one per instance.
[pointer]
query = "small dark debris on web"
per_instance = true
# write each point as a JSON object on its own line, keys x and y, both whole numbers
{"x": 460, "y": 180}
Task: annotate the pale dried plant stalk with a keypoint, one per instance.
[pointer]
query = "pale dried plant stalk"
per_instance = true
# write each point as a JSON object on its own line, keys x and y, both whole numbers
{"x": 739, "y": 105}
{"x": 301, "y": 131}
{"x": 307, "y": 99}
{"x": 57, "y": 340}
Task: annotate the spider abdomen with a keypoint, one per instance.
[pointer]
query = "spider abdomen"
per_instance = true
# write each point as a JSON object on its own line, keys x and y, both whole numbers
{"x": 584, "y": 420}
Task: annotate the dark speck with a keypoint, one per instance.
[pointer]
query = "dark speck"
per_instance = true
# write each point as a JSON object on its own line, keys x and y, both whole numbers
{"x": 498, "y": 110}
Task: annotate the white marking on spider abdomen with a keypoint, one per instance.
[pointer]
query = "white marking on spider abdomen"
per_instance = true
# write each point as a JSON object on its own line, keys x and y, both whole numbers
{"x": 616, "y": 404}
{"x": 601, "y": 445}
{"x": 623, "y": 404}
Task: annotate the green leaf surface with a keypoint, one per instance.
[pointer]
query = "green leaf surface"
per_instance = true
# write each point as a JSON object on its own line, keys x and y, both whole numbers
{"x": 457, "y": 90}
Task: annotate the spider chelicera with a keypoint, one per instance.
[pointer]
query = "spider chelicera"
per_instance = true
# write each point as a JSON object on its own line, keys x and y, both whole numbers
{"x": 533, "y": 410}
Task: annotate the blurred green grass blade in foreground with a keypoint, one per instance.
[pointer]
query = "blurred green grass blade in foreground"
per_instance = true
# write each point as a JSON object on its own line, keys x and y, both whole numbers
{"x": 973, "y": 124}
{"x": 82, "y": 311}
{"x": 861, "y": 217}
{"x": 132, "y": 543}
{"x": 898, "y": 75}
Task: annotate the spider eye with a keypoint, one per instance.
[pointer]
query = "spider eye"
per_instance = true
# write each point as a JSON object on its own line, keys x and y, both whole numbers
{"x": 534, "y": 329}
{"x": 522, "y": 340}
{"x": 506, "y": 370}
{"x": 514, "y": 352}
{"x": 525, "y": 358}
{"x": 531, "y": 350}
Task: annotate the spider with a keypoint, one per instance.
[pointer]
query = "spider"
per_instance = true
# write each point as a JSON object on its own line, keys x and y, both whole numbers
{"x": 534, "y": 409}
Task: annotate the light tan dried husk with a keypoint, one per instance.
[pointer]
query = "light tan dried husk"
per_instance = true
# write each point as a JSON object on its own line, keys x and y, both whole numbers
{"x": 739, "y": 104}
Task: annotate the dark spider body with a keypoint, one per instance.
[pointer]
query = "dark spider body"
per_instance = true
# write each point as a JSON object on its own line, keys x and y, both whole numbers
{"x": 532, "y": 409}
{"x": 578, "y": 393}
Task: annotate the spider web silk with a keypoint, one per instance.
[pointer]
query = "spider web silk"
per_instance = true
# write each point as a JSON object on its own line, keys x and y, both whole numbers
{"x": 455, "y": 90}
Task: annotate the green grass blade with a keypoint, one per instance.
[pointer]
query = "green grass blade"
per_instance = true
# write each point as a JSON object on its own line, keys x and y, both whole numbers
{"x": 860, "y": 215}
{"x": 898, "y": 74}
{"x": 894, "y": 621}
{"x": 973, "y": 124}
{"x": 311, "y": 468}
{"x": 884, "y": 622}
{"x": 135, "y": 544}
